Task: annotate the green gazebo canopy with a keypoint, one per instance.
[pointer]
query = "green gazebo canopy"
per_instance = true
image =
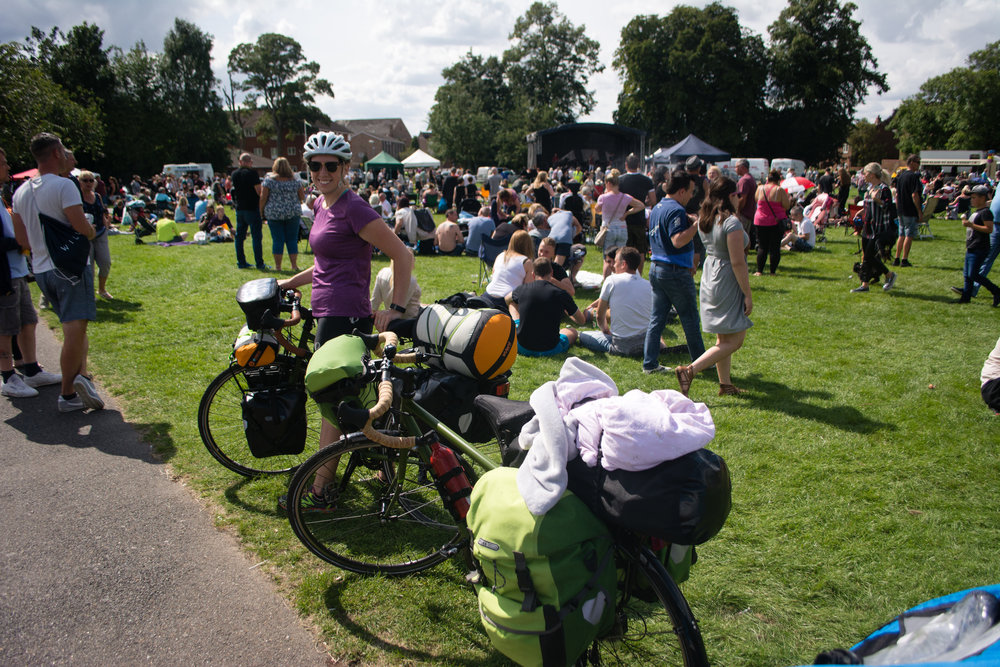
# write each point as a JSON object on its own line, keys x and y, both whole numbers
{"x": 384, "y": 161}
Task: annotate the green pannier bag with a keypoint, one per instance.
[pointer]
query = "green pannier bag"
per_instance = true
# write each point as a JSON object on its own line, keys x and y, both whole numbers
{"x": 337, "y": 372}
{"x": 547, "y": 584}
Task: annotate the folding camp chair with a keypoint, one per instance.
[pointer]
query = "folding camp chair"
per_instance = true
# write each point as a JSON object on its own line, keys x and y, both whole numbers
{"x": 924, "y": 228}
{"x": 489, "y": 250}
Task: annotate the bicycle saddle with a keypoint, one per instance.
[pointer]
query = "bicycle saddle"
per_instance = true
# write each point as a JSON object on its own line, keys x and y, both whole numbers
{"x": 507, "y": 414}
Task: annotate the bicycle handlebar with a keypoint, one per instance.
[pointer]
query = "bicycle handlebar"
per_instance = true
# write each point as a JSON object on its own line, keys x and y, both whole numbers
{"x": 383, "y": 343}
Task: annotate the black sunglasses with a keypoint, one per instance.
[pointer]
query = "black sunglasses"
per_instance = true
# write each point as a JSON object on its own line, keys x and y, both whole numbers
{"x": 331, "y": 167}
{"x": 86, "y": 180}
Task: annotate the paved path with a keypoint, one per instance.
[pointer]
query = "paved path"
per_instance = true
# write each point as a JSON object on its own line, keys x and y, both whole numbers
{"x": 105, "y": 560}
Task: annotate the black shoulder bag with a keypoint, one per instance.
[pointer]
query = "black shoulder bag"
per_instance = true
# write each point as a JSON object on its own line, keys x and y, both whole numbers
{"x": 68, "y": 248}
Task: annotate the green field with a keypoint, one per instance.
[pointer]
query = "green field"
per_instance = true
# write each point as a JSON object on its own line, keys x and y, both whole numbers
{"x": 864, "y": 463}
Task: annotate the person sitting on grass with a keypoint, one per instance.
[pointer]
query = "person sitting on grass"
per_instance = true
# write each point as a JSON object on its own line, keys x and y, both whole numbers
{"x": 216, "y": 224}
{"x": 628, "y": 297}
{"x": 383, "y": 290}
{"x": 537, "y": 308}
{"x": 448, "y": 238}
{"x": 181, "y": 213}
{"x": 167, "y": 232}
{"x": 802, "y": 237}
{"x": 547, "y": 248}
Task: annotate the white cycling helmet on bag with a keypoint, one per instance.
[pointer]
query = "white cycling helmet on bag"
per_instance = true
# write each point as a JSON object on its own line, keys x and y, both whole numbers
{"x": 327, "y": 143}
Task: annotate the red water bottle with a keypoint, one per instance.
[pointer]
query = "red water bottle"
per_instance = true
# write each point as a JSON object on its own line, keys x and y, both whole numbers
{"x": 449, "y": 472}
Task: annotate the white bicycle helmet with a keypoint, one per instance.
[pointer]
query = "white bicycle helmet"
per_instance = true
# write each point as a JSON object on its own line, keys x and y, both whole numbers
{"x": 327, "y": 143}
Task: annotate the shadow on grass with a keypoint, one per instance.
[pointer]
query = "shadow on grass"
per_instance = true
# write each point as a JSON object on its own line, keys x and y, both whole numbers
{"x": 776, "y": 397}
{"x": 805, "y": 273}
{"x": 435, "y": 610}
{"x": 233, "y": 495}
{"x": 118, "y": 311}
{"x": 950, "y": 297}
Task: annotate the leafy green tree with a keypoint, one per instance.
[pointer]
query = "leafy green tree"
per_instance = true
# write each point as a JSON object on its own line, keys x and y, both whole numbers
{"x": 551, "y": 60}
{"x": 487, "y": 106}
{"x": 872, "y": 142}
{"x": 201, "y": 129}
{"x": 31, "y": 103}
{"x": 692, "y": 71}
{"x": 278, "y": 76}
{"x": 77, "y": 61}
{"x": 143, "y": 127}
{"x": 952, "y": 111}
{"x": 462, "y": 130}
{"x": 822, "y": 67}
{"x": 469, "y": 109}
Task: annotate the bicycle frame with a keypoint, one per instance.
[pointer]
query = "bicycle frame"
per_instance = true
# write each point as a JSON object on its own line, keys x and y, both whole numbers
{"x": 410, "y": 408}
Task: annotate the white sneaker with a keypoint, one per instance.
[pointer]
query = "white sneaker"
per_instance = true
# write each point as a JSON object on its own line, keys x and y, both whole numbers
{"x": 87, "y": 393}
{"x": 42, "y": 379}
{"x": 71, "y": 405}
{"x": 16, "y": 388}
{"x": 659, "y": 369}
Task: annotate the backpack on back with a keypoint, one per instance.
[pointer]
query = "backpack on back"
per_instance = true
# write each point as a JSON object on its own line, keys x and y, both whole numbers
{"x": 425, "y": 221}
{"x": 547, "y": 584}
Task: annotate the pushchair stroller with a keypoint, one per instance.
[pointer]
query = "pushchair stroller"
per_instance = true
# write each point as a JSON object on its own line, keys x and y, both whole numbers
{"x": 141, "y": 225}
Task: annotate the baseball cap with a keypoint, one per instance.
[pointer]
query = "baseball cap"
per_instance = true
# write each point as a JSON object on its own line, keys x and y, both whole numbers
{"x": 981, "y": 190}
{"x": 693, "y": 162}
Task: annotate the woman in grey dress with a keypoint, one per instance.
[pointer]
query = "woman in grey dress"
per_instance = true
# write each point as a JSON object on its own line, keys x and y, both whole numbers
{"x": 726, "y": 301}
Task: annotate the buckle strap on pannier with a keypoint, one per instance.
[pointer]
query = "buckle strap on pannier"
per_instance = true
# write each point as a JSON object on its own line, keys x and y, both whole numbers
{"x": 524, "y": 583}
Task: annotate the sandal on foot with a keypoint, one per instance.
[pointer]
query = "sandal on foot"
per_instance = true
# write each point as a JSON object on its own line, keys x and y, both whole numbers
{"x": 730, "y": 390}
{"x": 685, "y": 374}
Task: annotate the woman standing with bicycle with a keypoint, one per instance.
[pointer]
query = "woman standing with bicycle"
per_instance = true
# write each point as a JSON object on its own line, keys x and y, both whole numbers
{"x": 345, "y": 230}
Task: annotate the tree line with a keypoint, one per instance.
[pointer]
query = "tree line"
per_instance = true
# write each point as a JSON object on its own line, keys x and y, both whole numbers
{"x": 698, "y": 70}
{"x": 125, "y": 112}
{"x": 694, "y": 70}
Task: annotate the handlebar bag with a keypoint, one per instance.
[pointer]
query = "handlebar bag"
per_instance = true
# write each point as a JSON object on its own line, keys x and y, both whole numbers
{"x": 683, "y": 501}
{"x": 256, "y": 297}
{"x": 274, "y": 421}
{"x": 546, "y": 584}
{"x": 476, "y": 343}
{"x": 337, "y": 372}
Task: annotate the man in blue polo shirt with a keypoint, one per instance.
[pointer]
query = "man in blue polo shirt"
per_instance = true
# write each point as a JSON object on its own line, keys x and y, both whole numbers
{"x": 671, "y": 234}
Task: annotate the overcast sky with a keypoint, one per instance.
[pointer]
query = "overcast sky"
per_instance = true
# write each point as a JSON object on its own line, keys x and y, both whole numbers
{"x": 384, "y": 57}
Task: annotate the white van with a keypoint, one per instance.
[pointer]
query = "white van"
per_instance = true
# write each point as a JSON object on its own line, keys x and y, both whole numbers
{"x": 758, "y": 166}
{"x": 178, "y": 170}
{"x": 783, "y": 164}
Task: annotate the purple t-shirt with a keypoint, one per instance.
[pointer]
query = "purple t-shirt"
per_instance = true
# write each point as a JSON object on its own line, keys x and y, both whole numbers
{"x": 342, "y": 260}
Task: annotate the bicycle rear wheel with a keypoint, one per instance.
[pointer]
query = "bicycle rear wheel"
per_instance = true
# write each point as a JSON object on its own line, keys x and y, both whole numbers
{"x": 653, "y": 622}
{"x": 389, "y": 517}
{"x": 220, "y": 419}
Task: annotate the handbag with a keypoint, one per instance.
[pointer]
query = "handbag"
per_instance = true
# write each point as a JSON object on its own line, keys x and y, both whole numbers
{"x": 785, "y": 224}
{"x": 601, "y": 235}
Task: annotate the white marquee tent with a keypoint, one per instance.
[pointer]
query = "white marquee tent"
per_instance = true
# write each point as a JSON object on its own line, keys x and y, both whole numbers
{"x": 420, "y": 159}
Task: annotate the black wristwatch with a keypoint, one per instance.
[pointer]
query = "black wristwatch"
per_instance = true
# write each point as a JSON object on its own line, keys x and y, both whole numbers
{"x": 398, "y": 308}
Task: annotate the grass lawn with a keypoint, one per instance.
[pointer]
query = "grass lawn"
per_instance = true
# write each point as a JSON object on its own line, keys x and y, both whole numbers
{"x": 865, "y": 465}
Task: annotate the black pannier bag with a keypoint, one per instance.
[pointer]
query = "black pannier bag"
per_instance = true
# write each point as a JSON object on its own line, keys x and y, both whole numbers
{"x": 682, "y": 501}
{"x": 274, "y": 421}
{"x": 256, "y": 297}
{"x": 449, "y": 397}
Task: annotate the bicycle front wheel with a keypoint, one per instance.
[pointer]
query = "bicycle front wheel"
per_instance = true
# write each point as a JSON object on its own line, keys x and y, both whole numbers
{"x": 388, "y": 516}
{"x": 220, "y": 420}
{"x": 653, "y": 622}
